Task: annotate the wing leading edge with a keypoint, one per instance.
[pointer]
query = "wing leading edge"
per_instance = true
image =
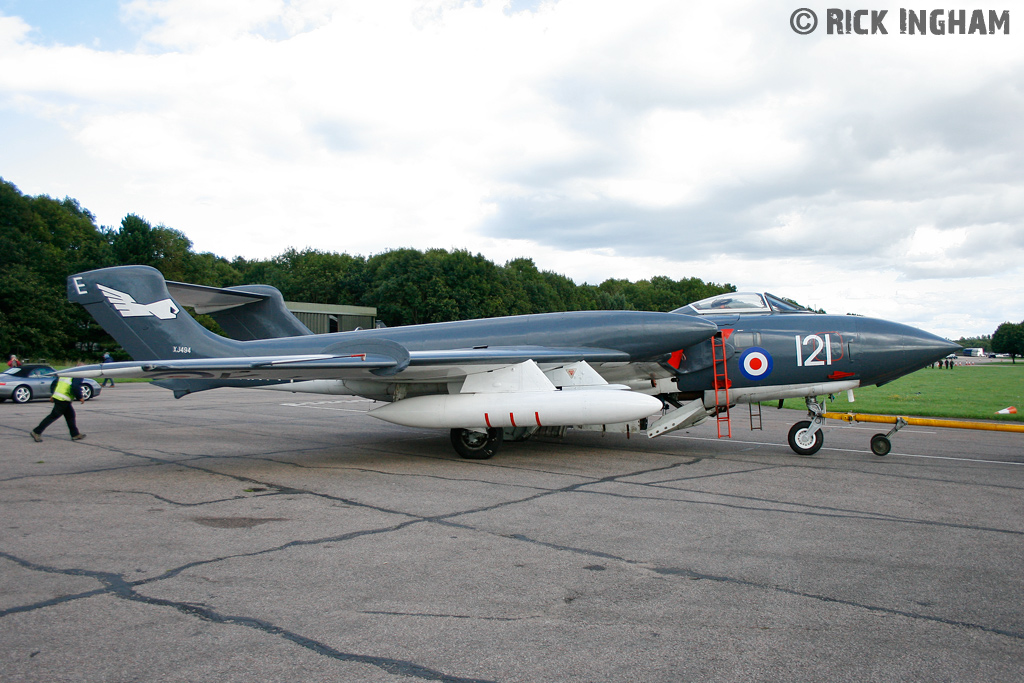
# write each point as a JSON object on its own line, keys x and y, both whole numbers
{"x": 373, "y": 364}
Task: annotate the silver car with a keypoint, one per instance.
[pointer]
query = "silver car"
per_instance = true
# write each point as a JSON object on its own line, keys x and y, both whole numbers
{"x": 23, "y": 384}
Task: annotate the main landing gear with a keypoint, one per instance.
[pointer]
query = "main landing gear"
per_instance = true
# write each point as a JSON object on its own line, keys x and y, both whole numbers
{"x": 806, "y": 437}
{"x": 476, "y": 445}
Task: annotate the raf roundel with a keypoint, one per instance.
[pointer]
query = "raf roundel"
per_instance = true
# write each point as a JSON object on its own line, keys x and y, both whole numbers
{"x": 755, "y": 363}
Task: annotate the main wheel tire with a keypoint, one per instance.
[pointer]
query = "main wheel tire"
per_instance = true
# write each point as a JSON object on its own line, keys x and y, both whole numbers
{"x": 22, "y": 394}
{"x": 880, "y": 445}
{"x": 86, "y": 392}
{"x": 802, "y": 441}
{"x": 474, "y": 445}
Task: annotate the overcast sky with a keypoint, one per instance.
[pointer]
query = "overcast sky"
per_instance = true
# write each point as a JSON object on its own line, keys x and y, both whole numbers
{"x": 876, "y": 174}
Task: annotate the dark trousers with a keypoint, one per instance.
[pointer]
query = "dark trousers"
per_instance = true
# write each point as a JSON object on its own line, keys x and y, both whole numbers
{"x": 64, "y": 408}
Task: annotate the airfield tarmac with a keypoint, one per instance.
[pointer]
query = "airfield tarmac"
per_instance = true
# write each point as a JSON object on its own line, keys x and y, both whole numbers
{"x": 246, "y": 535}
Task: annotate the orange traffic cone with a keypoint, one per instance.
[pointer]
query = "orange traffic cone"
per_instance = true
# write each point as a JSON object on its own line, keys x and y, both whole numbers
{"x": 1012, "y": 410}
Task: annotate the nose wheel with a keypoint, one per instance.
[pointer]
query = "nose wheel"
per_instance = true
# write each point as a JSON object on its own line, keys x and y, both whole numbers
{"x": 806, "y": 438}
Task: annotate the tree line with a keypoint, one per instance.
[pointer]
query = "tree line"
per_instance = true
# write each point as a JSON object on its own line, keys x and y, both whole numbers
{"x": 43, "y": 240}
{"x": 1008, "y": 338}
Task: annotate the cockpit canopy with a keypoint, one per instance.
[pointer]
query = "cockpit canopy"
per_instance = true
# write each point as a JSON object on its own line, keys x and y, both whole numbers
{"x": 742, "y": 302}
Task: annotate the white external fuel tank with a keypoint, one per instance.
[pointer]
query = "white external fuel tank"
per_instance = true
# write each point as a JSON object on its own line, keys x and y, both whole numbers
{"x": 521, "y": 409}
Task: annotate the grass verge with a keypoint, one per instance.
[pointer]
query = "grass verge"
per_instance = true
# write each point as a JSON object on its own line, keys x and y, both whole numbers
{"x": 968, "y": 392}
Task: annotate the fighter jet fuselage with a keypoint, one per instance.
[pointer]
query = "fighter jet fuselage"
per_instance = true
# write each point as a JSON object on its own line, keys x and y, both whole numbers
{"x": 480, "y": 378}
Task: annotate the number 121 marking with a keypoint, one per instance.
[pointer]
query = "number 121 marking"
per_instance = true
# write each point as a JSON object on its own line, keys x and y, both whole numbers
{"x": 819, "y": 346}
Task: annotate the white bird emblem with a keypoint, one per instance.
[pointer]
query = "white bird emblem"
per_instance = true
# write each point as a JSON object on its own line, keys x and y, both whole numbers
{"x": 128, "y": 307}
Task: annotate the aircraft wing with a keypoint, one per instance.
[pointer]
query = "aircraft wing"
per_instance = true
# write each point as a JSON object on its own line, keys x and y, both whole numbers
{"x": 509, "y": 355}
{"x": 380, "y": 361}
{"x": 261, "y": 367}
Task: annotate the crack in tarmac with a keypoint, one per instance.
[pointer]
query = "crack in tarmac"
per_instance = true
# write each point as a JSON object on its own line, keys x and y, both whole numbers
{"x": 692, "y": 574}
{"x": 822, "y": 511}
{"x": 115, "y": 585}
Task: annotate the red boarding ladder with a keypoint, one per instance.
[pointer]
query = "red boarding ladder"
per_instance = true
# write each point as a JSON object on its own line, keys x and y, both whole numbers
{"x": 721, "y": 383}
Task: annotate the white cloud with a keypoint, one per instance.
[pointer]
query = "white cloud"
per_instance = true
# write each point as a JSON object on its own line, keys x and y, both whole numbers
{"x": 604, "y": 140}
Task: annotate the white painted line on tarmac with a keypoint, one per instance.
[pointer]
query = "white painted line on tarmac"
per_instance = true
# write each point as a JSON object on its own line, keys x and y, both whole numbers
{"x": 947, "y": 457}
{"x": 854, "y": 450}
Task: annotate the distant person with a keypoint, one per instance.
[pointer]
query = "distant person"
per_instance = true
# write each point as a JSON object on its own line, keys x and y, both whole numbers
{"x": 107, "y": 358}
{"x": 65, "y": 391}
{"x": 13, "y": 362}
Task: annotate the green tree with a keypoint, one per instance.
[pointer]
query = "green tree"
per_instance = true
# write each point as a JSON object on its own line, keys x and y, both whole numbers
{"x": 211, "y": 270}
{"x": 982, "y": 342}
{"x": 134, "y": 243}
{"x": 1009, "y": 338}
{"x": 166, "y": 249}
{"x": 528, "y": 290}
{"x": 408, "y": 288}
{"x": 42, "y": 240}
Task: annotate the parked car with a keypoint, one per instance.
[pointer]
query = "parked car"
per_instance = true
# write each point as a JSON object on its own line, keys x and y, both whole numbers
{"x": 30, "y": 381}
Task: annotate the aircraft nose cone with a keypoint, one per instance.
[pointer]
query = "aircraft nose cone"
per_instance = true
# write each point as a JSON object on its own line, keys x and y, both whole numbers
{"x": 923, "y": 348}
{"x": 891, "y": 350}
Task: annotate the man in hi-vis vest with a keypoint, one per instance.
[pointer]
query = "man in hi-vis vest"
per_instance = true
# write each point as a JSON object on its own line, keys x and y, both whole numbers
{"x": 64, "y": 394}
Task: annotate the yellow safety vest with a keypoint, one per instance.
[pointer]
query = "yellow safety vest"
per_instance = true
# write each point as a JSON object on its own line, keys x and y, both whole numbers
{"x": 63, "y": 391}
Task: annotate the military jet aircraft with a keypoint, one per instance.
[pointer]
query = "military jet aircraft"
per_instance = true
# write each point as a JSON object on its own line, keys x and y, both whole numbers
{"x": 488, "y": 378}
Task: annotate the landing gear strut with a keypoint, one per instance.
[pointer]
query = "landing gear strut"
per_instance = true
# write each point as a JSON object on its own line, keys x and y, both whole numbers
{"x": 806, "y": 437}
{"x": 474, "y": 445}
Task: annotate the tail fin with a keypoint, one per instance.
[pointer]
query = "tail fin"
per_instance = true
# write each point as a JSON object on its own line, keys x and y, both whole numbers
{"x": 133, "y": 305}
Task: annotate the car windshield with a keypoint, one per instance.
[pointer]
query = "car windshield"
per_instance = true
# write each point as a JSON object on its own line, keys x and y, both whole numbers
{"x": 30, "y": 371}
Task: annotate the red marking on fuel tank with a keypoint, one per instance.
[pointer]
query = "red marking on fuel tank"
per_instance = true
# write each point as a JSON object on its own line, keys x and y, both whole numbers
{"x": 512, "y": 419}
{"x": 537, "y": 415}
{"x": 487, "y": 419}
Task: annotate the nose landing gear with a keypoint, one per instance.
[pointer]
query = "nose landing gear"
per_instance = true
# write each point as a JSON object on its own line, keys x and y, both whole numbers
{"x": 806, "y": 437}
